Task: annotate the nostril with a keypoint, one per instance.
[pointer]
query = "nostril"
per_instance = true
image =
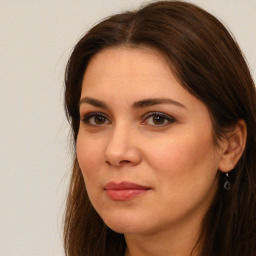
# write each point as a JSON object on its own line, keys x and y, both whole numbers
{"x": 119, "y": 163}
{"x": 107, "y": 162}
{"x": 124, "y": 162}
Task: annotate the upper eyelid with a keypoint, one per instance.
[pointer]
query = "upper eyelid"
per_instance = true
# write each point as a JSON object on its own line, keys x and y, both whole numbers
{"x": 152, "y": 113}
{"x": 91, "y": 114}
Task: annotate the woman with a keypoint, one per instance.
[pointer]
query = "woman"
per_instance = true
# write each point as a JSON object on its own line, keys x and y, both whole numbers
{"x": 162, "y": 107}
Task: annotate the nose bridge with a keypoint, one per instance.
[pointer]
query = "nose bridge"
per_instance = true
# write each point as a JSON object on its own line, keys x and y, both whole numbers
{"x": 121, "y": 147}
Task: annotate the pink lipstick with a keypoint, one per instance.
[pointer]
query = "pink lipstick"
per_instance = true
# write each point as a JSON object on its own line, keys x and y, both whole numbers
{"x": 124, "y": 191}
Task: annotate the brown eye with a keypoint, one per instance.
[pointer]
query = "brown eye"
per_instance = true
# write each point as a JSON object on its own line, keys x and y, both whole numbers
{"x": 158, "y": 119}
{"x": 96, "y": 119}
{"x": 99, "y": 119}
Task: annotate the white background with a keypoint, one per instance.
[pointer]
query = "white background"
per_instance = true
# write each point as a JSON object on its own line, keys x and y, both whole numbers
{"x": 36, "y": 39}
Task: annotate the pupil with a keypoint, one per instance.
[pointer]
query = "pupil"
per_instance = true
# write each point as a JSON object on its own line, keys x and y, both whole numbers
{"x": 99, "y": 120}
{"x": 159, "y": 120}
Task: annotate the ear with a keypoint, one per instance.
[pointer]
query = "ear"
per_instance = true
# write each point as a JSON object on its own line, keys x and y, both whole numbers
{"x": 233, "y": 147}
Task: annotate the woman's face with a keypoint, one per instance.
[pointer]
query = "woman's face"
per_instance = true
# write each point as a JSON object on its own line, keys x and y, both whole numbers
{"x": 145, "y": 144}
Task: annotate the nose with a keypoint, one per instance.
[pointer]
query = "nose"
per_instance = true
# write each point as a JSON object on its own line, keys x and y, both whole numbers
{"x": 122, "y": 148}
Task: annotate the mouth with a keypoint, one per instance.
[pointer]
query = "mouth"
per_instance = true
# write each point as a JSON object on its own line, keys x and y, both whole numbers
{"x": 124, "y": 191}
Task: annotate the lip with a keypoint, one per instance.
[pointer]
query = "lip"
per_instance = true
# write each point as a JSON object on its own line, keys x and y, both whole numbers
{"x": 124, "y": 191}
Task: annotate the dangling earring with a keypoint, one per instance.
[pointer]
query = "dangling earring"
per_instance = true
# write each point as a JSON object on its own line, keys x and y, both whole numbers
{"x": 227, "y": 184}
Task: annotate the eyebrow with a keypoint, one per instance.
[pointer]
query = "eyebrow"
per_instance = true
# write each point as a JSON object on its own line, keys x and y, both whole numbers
{"x": 92, "y": 101}
{"x": 156, "y": 101}
{"x": 137, "y": 104}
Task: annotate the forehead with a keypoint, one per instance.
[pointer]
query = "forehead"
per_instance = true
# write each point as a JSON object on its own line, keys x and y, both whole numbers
{"x": 130, "y": 56}
{"x": 125, "y": 67}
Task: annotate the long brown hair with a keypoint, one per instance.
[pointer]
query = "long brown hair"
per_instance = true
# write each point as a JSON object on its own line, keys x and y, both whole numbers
{"x": 209, "y": 64}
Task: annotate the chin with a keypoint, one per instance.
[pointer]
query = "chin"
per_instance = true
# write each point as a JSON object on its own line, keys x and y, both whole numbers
{"x": 125, "y": 224}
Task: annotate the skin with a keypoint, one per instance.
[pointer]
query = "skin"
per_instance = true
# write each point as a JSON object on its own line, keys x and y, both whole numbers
{"x": 175, "y": 156}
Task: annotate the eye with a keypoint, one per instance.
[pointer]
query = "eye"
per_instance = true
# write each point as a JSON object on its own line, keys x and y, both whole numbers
{"x": 158, "y": 119}
{"x": 95, "y": 119}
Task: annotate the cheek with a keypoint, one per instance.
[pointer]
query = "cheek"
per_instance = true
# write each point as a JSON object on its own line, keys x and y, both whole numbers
{"x": 183, "y": 158}
{"x": 89, "y": 156}
{"x": 185, "y": 171}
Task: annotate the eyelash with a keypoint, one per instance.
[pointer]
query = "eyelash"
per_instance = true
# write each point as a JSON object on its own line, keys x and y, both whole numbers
{"x": 167, "y": 119}
{"x": 87, "y": 118}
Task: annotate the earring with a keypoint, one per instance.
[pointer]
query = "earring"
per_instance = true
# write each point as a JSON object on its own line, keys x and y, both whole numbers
{"x": 227, "y": 184}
